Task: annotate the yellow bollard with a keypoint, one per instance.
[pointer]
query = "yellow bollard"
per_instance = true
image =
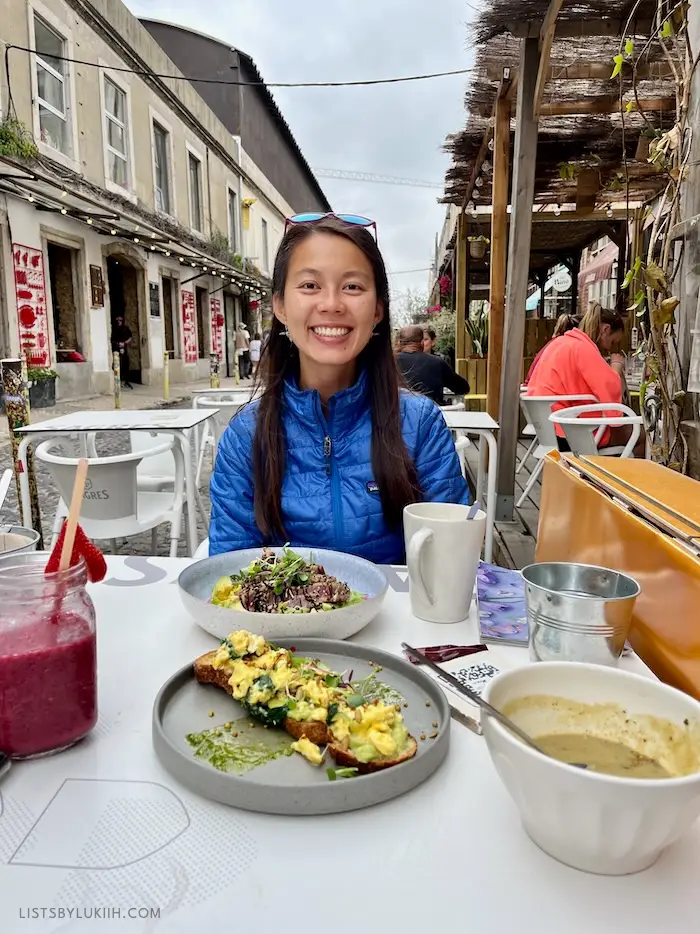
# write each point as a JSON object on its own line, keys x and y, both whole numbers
{"x": 236, "y": 369}
{"x": 116, "y": 372}
{"x": 166, "y": 375}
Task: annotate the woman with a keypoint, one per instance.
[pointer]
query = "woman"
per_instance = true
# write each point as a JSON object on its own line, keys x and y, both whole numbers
{"x": 255, "y": 346}
{"x": 574, "y": 365}
{"x": 332, "y": 452}
{"x": 564, "y": 324}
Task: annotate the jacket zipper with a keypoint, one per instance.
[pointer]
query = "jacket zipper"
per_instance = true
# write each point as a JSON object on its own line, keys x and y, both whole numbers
{"x": 332, "y": 474}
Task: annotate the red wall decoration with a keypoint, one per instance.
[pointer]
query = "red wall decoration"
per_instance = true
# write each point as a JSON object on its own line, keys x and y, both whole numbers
{"x": 217, "y": 327}
{"x": 189, "y": 328}
{"x": 32, "y": 318}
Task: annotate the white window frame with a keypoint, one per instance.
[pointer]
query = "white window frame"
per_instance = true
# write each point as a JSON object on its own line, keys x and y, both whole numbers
{"x": 155, "y": 117}
{"x": 191, "y": 151}
{"x": 127, "y": 192}
{"x": 234, "y": 235}
{"x": 72, "y": 159}
{"x": 265, "y": 244}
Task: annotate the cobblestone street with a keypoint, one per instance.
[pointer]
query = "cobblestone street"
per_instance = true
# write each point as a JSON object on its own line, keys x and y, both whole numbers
{"x": 109, "y": 443}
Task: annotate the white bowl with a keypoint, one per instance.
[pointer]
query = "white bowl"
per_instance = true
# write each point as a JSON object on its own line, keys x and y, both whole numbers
{"x": 196, "y": 584}
{"x": 591, "y": 821}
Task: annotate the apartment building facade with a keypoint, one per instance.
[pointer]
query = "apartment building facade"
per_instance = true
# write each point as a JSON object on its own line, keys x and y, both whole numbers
{"x": 122, "y": 195}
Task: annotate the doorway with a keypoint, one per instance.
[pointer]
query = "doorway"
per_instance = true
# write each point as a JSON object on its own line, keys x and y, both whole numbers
{"x": 61, "y": 262}
{"x": 202, "y": 299}
{"x": 123, "y": 282}
{"x": 230, "y": 333}
{"x": 170, "y": 331}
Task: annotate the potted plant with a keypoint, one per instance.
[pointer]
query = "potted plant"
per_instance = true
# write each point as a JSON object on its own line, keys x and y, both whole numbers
{"x": 42, "y": 387}
{"x": 477, "y": 246}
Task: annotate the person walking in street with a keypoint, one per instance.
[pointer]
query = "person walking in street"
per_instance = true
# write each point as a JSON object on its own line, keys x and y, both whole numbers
{"x": 255, "y": 346}
{"x": 332, "y": 451}
{"x": 243, "y": 350}
{"x": 424, "y": 372}
{"x": 121, "y": 338}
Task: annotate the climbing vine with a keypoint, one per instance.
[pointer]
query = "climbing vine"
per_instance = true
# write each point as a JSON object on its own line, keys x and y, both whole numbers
{"x": 652, "y": 279}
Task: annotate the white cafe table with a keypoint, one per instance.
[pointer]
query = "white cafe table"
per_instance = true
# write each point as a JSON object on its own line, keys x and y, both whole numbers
{"x": 486, "y": 428}
{"x": 176, "y": 422}
{"x": 103, "y": 825}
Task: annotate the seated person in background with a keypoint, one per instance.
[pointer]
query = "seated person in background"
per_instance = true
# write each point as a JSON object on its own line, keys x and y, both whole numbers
{"x": 574, "y": 365}
{"x": 423, "y": 372}
{"x": 564, "y": 324}
{"x": 429, "y": 342}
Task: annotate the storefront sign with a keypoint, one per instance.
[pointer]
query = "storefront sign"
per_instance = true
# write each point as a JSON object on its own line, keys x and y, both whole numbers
{"x": 217, "y": 327}
{"x": 97, "y": 288}
{"x": 189, "y": 328}
{"x": 154, "y": 299}
{"x": 32, "y": 319}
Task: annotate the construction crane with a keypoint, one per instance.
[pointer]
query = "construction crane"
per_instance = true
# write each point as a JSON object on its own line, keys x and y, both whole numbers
{"x": 376, "y": 179}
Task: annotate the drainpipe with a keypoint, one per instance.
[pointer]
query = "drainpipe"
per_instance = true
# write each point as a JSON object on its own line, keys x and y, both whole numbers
{"x": 211, "y": 229}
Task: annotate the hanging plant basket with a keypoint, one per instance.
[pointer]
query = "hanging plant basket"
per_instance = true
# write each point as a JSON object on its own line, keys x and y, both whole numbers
{"x": 478, "y": 247}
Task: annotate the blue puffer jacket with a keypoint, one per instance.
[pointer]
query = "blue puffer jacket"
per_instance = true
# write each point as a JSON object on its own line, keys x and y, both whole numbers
{"x": 329, "y": 497}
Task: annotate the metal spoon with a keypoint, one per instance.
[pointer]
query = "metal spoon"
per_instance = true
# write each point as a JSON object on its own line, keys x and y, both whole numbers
{"x": 485, "y": 706}
{"x": 474, "y": 510}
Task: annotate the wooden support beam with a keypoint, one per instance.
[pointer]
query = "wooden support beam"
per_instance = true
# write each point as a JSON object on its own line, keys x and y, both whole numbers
{"x": 582, "y": 29}
{"x": 546, "y": 41}
{"x": 461, "y": 288}
{"x": 499, "y": 247}
{"x": 594, "y": 71}
{"x": 603, "y": 105}
{"x": 518, "y": 275}
{"x": 587, "y": 188}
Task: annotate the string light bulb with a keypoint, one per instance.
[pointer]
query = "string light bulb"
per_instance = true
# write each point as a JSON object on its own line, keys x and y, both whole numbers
{"x": 136, "y": 240}
{"x": 30, "y": 197}
{"x": 64, "y": 210}
{"x": 64, "y": 193}
{"x": 557, "y": 211}
{"x": 167, "y": 252}
{"x": 113, "y": 232}
{"x": 610, "y": 211}
{"x": 89, "y": 220}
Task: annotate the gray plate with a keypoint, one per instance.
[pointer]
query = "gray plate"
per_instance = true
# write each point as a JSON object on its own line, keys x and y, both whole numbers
{"x": 289, "y": 784}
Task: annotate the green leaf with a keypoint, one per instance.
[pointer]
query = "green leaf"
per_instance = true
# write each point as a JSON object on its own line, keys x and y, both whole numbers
{"x": 628, "y": 279}
{"x": 355, "y": 700}
{"x": 666, "y": 30}
{"x": 619, "y": 62}
{"x": 332, "y": 681}
{"x": 639, "y": 301}
{"x": 631, "y": 106}
{"x": 340, "y": 773}
{"x": 629, "y": 48}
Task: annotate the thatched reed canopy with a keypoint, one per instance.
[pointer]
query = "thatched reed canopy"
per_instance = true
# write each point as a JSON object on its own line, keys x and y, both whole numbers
{"x": 586, "y": 123}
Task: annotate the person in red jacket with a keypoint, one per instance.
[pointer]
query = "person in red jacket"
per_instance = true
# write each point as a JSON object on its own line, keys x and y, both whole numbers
{"x": 575, "y": 365}
{"x": 564, "y": 323}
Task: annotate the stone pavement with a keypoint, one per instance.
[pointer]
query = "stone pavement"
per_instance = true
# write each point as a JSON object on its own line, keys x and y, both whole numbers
{"x": 142, "y": 397}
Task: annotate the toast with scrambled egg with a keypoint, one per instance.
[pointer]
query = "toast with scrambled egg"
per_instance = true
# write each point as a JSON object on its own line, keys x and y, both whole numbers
{"x": 310, "y": 702}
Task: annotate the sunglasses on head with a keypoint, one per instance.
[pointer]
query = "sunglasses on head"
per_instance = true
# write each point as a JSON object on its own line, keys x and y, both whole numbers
{"x": 312, "y": 218}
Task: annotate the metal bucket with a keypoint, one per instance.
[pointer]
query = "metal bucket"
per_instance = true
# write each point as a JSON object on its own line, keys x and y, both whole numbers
{"x": 16, "y": 540}
{"x": 578, "y": 612}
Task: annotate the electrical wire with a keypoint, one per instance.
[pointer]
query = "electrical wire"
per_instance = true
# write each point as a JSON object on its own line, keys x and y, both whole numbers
{"x": 145, "y": 73}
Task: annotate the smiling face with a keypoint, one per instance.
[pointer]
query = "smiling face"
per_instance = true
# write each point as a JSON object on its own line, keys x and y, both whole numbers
{"x": 330, "y": 308}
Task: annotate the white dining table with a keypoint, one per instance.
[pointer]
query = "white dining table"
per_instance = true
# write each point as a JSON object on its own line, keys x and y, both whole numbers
{"x": 176, "y": 422}
{"x": 104, "y": 825}
{"x": 485, "y": 428}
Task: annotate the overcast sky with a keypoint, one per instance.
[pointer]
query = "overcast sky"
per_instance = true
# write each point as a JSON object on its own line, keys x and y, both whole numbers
{"x": 394, "y": 130}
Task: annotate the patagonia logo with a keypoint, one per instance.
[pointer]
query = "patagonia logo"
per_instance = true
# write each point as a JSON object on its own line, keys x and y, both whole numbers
{"x": 372, "y": 486}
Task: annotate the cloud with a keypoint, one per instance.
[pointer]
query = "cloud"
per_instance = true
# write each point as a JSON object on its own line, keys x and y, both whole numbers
{"x": 393, "y": 130}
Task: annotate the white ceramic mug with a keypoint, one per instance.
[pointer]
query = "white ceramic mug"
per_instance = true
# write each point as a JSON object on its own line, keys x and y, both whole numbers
{"x": 443, "y": 550}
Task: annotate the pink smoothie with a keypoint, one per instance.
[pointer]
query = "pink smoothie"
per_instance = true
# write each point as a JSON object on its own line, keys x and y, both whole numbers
{"x": 48, "y": 685}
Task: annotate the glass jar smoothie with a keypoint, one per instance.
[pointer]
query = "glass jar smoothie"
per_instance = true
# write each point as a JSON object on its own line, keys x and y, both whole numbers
{"x": 48, "y": 665}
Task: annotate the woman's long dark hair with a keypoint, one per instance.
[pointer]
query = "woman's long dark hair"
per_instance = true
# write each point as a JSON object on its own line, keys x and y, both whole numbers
{"x": 394, "y": 471}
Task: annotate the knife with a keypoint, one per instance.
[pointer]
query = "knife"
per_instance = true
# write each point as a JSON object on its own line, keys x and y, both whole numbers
{"x": 469, "y": 722}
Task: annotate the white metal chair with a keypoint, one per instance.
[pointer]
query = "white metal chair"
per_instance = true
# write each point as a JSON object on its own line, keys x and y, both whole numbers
{"x": 113, "y": 507}
{"x": 583, "y": 431}
{"x": 528, "y": 432}
{"x": 242, "y": 396}
{"x": 216, "y": 425}
{"x": 537, "y": 410}
{"x": 156, "y": 472}
{"x": 202, "y": 550}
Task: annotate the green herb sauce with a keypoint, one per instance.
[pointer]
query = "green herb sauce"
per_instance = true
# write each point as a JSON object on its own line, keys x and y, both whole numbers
{"x": 252, "y": 747}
